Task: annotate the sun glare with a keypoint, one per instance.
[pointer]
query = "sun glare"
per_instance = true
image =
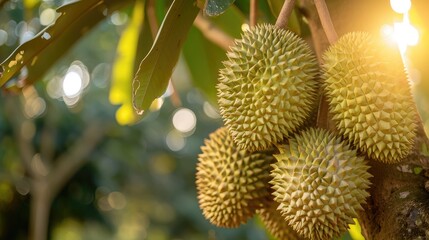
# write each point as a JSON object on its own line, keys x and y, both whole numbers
{"x": 400, "y": 6}
{"x": 403, "y": 33}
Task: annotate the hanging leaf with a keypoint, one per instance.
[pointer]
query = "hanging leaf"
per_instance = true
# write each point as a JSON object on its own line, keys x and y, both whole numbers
{"x": 217, "y": 7}
{"x": 156, "y": 68}
{"x": 230, "y": 21}
{"x": 123, "y": 68}
{"x": 74, "y": 20}
{"x": 275, "y": 6}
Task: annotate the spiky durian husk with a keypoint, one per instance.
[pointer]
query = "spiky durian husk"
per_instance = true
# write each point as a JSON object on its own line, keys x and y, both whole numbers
{"x": 320, "y": 183}
{"x": 369, "y": 96}
{"x": 232, "y": 183}
{"x": 267, "y": 87}
{"x": 275, "y": 223}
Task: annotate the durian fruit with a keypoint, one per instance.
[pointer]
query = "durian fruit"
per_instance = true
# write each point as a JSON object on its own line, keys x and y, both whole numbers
{"x": 267, "y": 86}
{"x": 275, "y": 223}
{"x": 232, "y": 183}
{"x": 319, "y": 183}
{"x": 369, "y": 96}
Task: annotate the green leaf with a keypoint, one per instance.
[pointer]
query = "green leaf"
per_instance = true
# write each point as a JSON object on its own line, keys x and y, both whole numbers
{"x": 204, "y": 59}
{"x": 123, "y": 68}
{"x": 41, "y": 52}
{"x": 230, "y": 21}
{"x": 275, "y": 6}
{"x": 156, "y": 68}
{"x": 217, "y": 7}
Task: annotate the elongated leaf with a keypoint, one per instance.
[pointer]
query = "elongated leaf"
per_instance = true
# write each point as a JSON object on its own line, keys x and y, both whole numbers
{"x": 123, "y": 68}
{"x": 217, "y": 7}
{"x": 275, "y": 6}
{"x": 38, "y": 54}
{"x": 156, "y": 68}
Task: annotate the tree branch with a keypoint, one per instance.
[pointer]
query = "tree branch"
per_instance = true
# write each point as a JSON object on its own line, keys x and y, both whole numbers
{"x": 284, "y": 14}
{"x": 47, "y": 141}
{"x": 326, "y": 21}
{"x": 253, "y": 16}
{"x": 71, "y": 161}
{"x": 320, "y": 44}
{"x": 213, "y": 33}
{"x": 25, "y": 146}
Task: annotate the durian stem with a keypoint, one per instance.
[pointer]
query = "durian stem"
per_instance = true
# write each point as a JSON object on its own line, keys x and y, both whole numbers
{"x": 326, "y": 20}
{"x": 253, "y": 18}
{"x": 284, "y": 14}
{"x": 213, "y": 33}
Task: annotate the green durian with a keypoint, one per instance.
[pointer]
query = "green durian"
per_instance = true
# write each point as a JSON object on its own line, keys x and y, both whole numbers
{"x": 275, "y": 223}
{"x": 319, "y": 183}
{"x": 267, "y": 86}
{"x": 369, "y": 96}
{"x": 232, "y": 183}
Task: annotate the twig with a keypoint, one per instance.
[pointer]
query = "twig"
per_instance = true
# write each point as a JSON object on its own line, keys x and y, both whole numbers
{"x": 213, "y": 33}
{"x": 16, "y": 119}
{"x": 326, "y": 21}
{"x": 284, "y": 14}
{"x": 47, "y": 145}
{"x": 253, "y": 18}
{"x": 71, "y": 161}
{"x": 320, "y": 44}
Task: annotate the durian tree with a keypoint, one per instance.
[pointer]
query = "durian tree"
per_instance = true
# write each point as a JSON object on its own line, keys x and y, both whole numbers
{"x": 320, "y": 125}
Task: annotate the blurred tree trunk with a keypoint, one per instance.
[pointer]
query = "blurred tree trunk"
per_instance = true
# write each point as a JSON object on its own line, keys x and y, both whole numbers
{"x": 399, "y": 204}
{"x": 46, "y": 175}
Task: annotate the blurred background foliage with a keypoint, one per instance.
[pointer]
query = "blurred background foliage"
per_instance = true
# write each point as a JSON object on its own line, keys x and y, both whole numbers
{"x": 138, "y": 181}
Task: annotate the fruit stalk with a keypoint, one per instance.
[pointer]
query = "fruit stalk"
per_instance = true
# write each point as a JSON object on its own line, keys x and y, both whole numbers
{"x": 285, "y": 13}
{"x": 326, "y": 21}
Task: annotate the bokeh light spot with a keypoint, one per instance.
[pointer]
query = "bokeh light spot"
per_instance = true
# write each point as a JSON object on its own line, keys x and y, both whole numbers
{"x": 184, "y": 120}
{"x": 175, "y": 141}
{"x": 72, "y": 84}
{"x": 117, "y": 200}
{"x": 47, "y": 16}
{"x": 210, "y": 111}
{"x": 3, "y": 37}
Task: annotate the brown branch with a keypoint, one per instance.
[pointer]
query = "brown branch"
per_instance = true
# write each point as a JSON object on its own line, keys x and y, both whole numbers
{"x": 71, "y": 161}
{"x": 320, "y": 44}
{"x": 213, "y": 33}
{"x": 47, "y": 141}
{"x": 40, "y": 207}
{"x": 326, "y": 21}
{"x": 285, "y": 13}
{"x": 253, "y": 18}
{"x": 45, "y": 189}
{"x": 25, "y": 146}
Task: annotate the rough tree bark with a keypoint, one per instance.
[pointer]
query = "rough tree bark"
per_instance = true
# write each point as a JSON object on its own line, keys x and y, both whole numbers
{"x": 399, "y": 204}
